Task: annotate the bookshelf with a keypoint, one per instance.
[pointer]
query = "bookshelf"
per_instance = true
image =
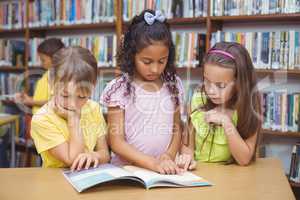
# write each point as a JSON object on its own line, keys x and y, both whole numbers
{"x": 287, "y": 134}
{"x": 292, "y": 17}
{"x": 209, "y": 22}
{"x": 293, "y": 184}
{"x": 12, "y": 69}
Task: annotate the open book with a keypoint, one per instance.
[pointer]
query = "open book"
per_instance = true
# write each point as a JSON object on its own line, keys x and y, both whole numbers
{"x": 85, "y": 179}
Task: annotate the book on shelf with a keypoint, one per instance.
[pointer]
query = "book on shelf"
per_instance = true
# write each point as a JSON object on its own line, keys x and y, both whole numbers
{"x": 12, "y": 53}
{"x": 103, "y": 47}
{"x": 170, "y": 8}
{"x": 268, "y": 50}
{"x": 294, "y": 173}
{"x": 12, "y": 14}
{"x": 103, "y": 79}
{"x": 253, "y": 7}
{"x": 281, "y": 111}
{"x": 187, "y": 48}
{"x": 11, "y": 83}
{"x": 85, "y": 179}
{"x": 69, "y": 12}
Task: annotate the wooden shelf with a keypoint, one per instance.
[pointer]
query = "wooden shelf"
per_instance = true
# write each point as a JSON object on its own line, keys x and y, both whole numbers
{"x": 187, "y": 21}
{"x": 280, "y": 134}
{"x": 293, "y": 184}
{"x": 192, "y": 70}
{"x": 197, "y": 70}
{"x": 294, "y": 17}
{"x": 102, "y": 25}
{"x": 109, "y": 70}
{"x": 9, "y": 69}
{"x": 12, "y": 31}
{"x": 273, "y": 71}
{"x": 181, "y": 21}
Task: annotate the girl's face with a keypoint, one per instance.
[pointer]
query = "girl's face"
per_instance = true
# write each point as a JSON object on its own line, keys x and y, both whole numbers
{"x": 219, "y": 83}
{"x": 46, "y": 61}
{"x": 70, "y": 98}
{"x": 151, "y": 61}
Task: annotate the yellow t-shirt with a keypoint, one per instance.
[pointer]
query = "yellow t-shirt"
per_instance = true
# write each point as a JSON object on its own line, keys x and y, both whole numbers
{"x": 214, "y": 149}
{"x": 49, "y": 130}
{"x": 42, "y": 91}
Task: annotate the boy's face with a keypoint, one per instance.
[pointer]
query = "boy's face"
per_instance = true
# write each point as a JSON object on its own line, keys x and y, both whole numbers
{"x": 71, "y": 98}
{"x": 219, "y": 83}
{"x": 46, "y": 61}
{"x": 151, "y": 61}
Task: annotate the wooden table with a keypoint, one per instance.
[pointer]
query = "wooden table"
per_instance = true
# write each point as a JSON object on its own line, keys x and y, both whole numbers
{"x": 13, "y": 120}
{"x": 263, "y": 180}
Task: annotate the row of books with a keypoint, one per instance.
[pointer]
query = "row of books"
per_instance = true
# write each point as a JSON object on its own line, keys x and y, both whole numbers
{"x": 66, "y": 12}
{"x": 190, "y": 48}
{"x": 10, "y": 83}
{"x": 103, "y": 47}
{"x": 253, "y": 7}
{"x": 281, "y": 111}
{"x": 294, "y": 174}
{"x": 187, "y": 45}
{"x": 170, "y": 8}
{"x": 12, "y": 53}
{"x": 12, "y": 14}
{"x": 268, "y": 50}
{"x": 21, "y": 160}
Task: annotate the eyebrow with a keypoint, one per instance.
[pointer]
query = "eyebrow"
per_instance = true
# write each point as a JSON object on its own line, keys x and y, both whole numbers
{"x": 216, "y": 82}
{"x": 146, "y": 58}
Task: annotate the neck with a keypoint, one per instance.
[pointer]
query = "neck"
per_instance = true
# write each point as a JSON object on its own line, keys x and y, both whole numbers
{"x": 149, "y": 85}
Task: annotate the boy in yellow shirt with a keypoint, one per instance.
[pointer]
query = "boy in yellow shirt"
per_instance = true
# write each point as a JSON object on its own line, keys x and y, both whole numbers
{"x": 70, "y": 131}
{"x": 42, "y": 91}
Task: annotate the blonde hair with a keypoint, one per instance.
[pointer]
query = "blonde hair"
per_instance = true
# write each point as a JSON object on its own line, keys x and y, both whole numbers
{"x": 74, "y": 64}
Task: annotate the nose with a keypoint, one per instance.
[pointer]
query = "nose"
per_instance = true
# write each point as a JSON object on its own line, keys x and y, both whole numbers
{"x": 212, "y": 90}
{"x": 72, "y": 103}
{"x": 154, "y": 68}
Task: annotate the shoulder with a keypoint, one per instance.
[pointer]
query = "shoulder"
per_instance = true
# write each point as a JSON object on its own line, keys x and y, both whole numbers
{"x": 45, "y": 115}
{"x": 45, "y": 77}
{"x": 179, "y": 85}
{"x": 115, "y": 92}
{"x": 198, "y": 99}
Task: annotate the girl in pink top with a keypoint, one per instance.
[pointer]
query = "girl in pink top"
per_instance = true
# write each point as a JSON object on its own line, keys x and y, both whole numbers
{"x": 144, "y": 103}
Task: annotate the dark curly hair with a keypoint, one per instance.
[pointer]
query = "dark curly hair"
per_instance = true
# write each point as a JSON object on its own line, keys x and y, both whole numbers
{"x": 140, "y": 35}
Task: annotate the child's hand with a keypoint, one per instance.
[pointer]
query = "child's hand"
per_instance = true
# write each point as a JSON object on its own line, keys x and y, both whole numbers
{"x": 85, "y": 160}
{"x": 186, "y": 162}
{"x": 66, "y": 113}
{"x": 185, "y": 159}
{"x": 216, "y": 117}
{"x": 165, "y": 165}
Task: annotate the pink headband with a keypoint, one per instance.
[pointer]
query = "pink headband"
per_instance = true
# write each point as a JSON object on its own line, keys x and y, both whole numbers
{"x": 224, "y": 53}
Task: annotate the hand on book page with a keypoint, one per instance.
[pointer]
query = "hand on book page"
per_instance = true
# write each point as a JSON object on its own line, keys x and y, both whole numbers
{"x": 150, "y": 177}
{"x": 85, "y": 179}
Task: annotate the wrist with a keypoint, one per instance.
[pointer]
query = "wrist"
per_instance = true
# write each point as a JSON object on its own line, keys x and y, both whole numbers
{"x": 96, "y": 155}
{"x": 73, "y": 120}
{"x": 165, "y": 156}
{"x": 229, "y": 127}
{"x": 186, "y": 149}
{"x": 153, "y": 164}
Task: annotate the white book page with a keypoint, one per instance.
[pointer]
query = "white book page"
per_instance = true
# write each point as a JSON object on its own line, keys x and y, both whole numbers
{"x": 151, "y": 178}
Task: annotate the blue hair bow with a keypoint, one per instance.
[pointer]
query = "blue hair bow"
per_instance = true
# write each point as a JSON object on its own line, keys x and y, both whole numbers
{"x": 150, "y": 18}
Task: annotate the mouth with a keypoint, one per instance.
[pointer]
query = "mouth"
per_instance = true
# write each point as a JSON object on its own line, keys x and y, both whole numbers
{"x": 68, "y": 109}
{"x": 215, "y": 100}
{"x": 152, "y": 76}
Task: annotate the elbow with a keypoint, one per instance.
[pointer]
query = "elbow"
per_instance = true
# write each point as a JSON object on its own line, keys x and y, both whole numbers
{"x": 69, "y": 161}
{"x": 115, "y": 144}
{"x": 244, "y": 162}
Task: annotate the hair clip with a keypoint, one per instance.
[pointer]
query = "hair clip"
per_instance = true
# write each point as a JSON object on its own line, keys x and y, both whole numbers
{"x": 150, "y": 18}
{"x": 224, "y": 53}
